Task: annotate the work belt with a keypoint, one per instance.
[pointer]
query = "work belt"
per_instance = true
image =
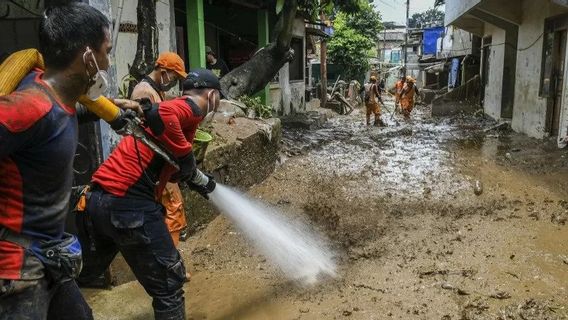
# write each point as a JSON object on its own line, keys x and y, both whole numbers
{"x": 60, "y": 257}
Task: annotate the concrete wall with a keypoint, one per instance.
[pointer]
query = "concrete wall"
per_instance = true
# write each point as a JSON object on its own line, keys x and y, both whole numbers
{"x": 494, "y": 87}
{"x": 19, "y": 35}
{"x": 529, "y": 114}
{"x": 461, "y": 41}
{"x": 456, "y": 8}
{"x": 19, "y": 27}
{"x": 126, "y": 43}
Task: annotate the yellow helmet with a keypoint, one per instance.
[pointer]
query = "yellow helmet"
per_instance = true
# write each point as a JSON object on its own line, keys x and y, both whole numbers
{"x": 410, "y": 79}
{"x": 373, "y": 79}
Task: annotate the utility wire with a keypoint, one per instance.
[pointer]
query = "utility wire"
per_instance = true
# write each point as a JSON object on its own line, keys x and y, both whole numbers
{"x": 503, "y": 43}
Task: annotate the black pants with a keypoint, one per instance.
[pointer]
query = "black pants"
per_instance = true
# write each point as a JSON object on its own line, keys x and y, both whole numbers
{"x": 136, "y": 228}
{"x": 40, "y": 299}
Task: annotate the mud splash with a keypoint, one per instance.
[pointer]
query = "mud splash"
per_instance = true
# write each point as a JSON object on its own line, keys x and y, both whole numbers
{"x": 290, "y": 245}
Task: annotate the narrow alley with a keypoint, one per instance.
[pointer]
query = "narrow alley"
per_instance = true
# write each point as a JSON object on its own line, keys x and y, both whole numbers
{"x": 215, "y": 159}
{"x": 452, "y": 218}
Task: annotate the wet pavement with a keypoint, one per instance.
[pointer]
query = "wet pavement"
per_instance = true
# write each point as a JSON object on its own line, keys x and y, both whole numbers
{"x": 430, "y": 219}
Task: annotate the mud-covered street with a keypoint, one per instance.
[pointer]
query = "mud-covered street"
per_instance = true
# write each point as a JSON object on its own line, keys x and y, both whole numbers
{"x": 449, "y": 218}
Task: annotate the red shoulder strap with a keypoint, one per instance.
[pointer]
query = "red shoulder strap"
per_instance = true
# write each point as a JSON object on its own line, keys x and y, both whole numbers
{"x": 20, "y": 110}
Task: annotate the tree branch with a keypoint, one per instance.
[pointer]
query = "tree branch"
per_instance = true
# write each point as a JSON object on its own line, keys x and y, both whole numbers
{"x": 286, "y": 22}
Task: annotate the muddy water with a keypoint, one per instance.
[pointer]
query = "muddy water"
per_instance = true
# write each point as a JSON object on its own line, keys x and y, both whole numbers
{"x": 414, "y": 240}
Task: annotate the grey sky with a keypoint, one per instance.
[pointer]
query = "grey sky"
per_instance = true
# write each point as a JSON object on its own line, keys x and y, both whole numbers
{"x": 395, "y": 10}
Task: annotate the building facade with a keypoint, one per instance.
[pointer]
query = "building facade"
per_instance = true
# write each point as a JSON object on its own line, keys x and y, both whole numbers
{"x": 390, "y": 45}
{"x": 523, "y": 60}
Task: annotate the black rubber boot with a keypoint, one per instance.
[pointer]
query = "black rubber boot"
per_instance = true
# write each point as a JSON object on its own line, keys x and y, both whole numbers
{"x": 379, "y": 122}
{"x": 177, "y": 314}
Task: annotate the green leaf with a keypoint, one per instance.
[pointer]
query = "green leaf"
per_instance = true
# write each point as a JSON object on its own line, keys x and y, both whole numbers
{"x": 279, "y": 6}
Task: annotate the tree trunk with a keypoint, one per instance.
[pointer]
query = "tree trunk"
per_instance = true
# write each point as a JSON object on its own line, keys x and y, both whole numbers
{"x": 255, "y": 74}
{"x": 323, "y": 73}
{"x": 147, "y": 44}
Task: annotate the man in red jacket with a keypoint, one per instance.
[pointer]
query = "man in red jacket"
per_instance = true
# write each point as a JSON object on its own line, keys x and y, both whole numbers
{"x": 38, "y": 141}
{"x": 124, "y": 211}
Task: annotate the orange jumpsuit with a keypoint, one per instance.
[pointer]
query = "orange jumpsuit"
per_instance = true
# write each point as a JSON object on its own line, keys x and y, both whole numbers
{"x": 172, "y": 199}
{"x": 407, "y": 99}
{"x": 397, "y": 90}
{"x": 372, "y": 103}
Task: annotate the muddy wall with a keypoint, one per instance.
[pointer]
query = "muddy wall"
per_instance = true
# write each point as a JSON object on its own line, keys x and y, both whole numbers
{"x": 494, "y": 85}
{"x": 243, "y": 154}
{"x": 529, "y": 113}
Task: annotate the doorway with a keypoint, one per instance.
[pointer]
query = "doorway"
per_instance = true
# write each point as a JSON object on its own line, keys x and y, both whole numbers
{"x": 553, "y": 70}
{"x": 485, "y": 66}
{"x": 558, "y": 80}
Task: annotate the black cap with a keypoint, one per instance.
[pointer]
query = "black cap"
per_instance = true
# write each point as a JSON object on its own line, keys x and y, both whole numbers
{"x": 200, "y": 78}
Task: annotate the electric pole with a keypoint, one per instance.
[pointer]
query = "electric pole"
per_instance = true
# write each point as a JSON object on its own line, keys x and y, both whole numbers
{"x": 323, "y": 68}
{"x": 406, "y": 37}
{"x": 385, "y": 43}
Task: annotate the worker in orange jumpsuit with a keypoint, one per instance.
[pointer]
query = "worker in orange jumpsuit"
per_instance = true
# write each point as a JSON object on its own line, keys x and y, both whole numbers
{"x": 372, "y": 99}
{"x": 409, "y": 91}
{"x": 397, "y": 90}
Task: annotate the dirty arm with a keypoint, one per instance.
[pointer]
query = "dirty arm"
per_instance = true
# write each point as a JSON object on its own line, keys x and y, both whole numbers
{"x": 85, "y": 116}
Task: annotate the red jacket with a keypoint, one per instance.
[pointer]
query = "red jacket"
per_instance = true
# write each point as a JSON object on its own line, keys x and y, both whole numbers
{"x": 38, "y": 140}
{"x": 134, "y": 170}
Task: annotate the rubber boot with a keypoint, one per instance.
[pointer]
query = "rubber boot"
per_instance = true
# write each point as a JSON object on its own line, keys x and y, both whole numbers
{"x": 378, "y": 122}
{"x": 177, "y": 314}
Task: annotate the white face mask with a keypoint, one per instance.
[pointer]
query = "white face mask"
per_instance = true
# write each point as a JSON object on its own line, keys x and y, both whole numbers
{"x": 166, "y": 85}
{"x": 100, "y": 79}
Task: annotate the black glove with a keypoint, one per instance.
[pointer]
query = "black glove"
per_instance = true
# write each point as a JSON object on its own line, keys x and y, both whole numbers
{"x": 122, "y": 120}
{"x": 152, "y": 116}
{"x": 187, "y": 167}
{"x": 145, "y": 104}
{"x": 203, "y": 190}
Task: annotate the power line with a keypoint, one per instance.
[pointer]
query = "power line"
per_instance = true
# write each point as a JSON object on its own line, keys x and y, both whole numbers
{"x": 501, "y": 44}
